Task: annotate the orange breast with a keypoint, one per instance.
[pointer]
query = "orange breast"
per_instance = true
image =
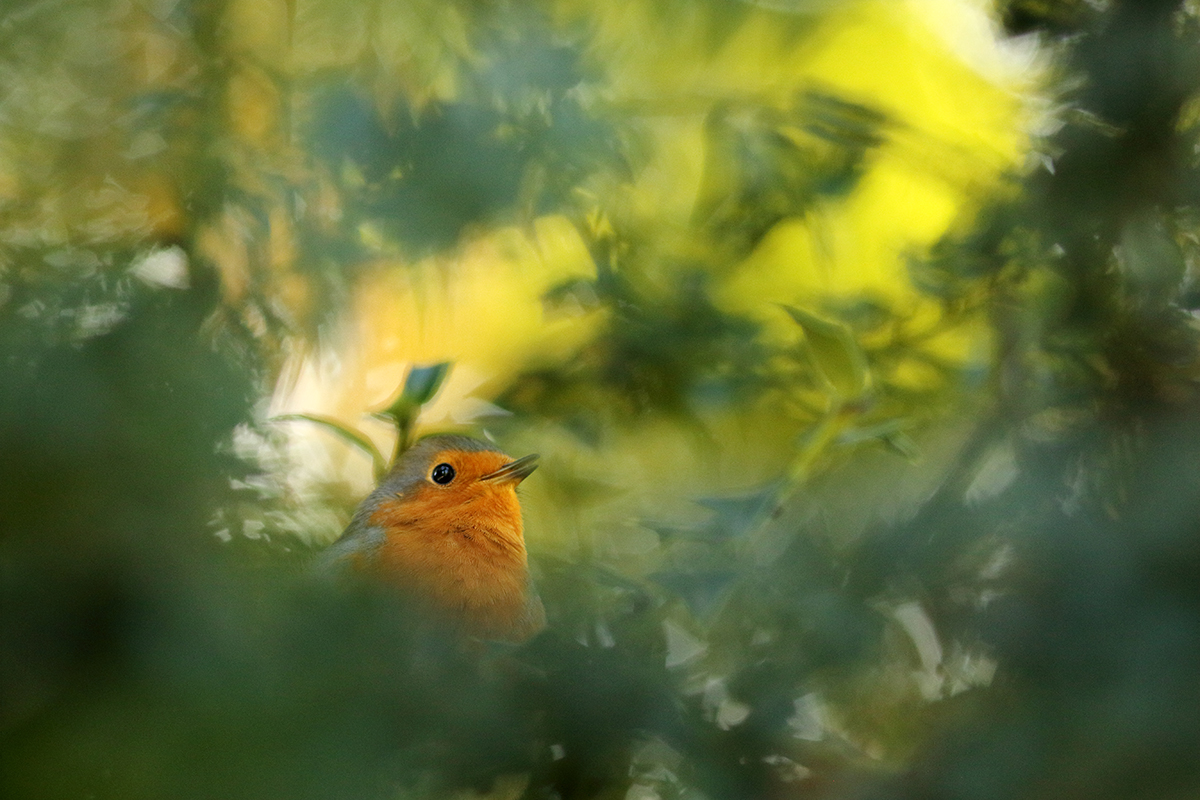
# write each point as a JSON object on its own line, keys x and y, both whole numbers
{"x": 461, "y": 553}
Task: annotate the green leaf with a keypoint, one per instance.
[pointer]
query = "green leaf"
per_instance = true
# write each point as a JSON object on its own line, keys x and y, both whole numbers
{"x": 701, "y": 590}
{"x": 346, "y": 433}
{"x": 892, "y": 433}
{"x": 420, "y": 385}
{"x": 900, "y": 442}
{"x": 854, "y": 435}
{"x": 835, "y": 354}
{"x": 736, "y": 515}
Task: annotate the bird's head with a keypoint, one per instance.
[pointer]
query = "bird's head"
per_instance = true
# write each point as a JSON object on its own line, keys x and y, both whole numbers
{"x": 445, "y": 526}
{"x": 445, "y": 483}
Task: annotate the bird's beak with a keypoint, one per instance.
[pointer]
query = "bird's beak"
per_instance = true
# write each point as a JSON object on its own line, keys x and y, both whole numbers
{"x": 514, "y": 471}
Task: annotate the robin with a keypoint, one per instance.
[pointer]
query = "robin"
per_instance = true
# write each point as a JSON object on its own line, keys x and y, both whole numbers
{"x": 444, "y": 525}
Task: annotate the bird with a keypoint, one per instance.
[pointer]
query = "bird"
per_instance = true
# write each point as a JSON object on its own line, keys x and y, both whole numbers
{"x": 444, "y": 527}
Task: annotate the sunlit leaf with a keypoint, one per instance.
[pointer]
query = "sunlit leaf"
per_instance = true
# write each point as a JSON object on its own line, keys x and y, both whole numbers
{"x": 347, "y": 434}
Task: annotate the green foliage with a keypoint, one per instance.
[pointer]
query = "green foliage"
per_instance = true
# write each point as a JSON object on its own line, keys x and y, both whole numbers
{"x": 421, "y": 384}
{"x": 1014, "y": 616}
{"x": 834, "y": 353}
{"x": 764, "y": 165}
{"x": 672, "y": 352}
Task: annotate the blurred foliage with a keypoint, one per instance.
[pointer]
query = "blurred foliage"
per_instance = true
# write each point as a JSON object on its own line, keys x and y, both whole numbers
{"x": 420, "y": 385}
{"x": 958, "y": 556}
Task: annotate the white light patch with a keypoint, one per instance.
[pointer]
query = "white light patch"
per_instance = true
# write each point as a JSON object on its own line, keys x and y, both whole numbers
{"x": 723, "y": 709}
{"x": 995, "y": 474}
{"x": 808, "y": 722}
{"x": 682, "y": 647}
{"x": 166, "y": 268}
{"x": 916, "y": 623}
{"x": 642, "y": 791}
{"x": 969, "y": 29}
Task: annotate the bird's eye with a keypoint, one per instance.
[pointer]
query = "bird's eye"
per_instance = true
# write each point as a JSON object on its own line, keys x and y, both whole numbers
{"x": 442, "y": 473}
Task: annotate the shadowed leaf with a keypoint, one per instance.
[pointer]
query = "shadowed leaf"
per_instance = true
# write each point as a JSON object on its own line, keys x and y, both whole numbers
{"x": 701, "y": 590}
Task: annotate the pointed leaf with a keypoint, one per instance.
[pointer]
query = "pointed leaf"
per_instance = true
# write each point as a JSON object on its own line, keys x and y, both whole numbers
{"x": 701, "y": 590}
{"x": 835, "y": 353}
{"x": 854, "y": 435}
{"x": 420, "y": 385}
{"x": 892, "y": 433}
{"x": 738, "y": 514}
{"x": 423, "y": 382}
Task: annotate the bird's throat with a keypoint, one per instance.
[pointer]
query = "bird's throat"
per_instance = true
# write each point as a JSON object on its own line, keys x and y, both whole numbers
{"x": 465, "y": 560}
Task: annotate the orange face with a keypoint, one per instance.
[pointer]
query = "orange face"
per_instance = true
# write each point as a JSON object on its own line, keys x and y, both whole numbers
{"x": 462, "y": 491}
{"x": 456, "y": 538}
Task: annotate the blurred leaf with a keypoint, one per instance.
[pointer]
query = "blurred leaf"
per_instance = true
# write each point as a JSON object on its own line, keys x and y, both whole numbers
{"x": 835, "y": 354}
{"x": 670, "y": 351}
{"x": 892, "y": 433}
{"x": 577, "y": 294}
{"x": 903, "y": 444}
{"x": 763, "y": 165}
{"x": 345, "y": 433}
{"x": 420, "y": 385}
{"x": 854, "y": 435}
{"x": 1151, "y": 260}
{"x": 701, "y": 591}
{"x": 736, "y": 515}
{"x": 1056, "y": 17}
{"x": 572, "y": 490}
